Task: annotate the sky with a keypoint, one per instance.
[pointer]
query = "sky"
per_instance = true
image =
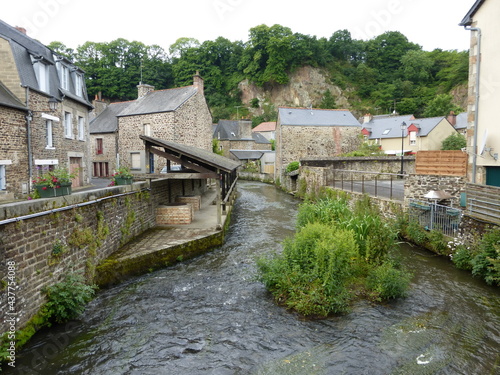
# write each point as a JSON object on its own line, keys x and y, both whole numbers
{"x": 429, "y": 23}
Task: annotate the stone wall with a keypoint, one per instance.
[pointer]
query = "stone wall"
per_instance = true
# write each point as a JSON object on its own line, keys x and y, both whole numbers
{"x": 108, "y": 150}
{"x": 416, "y": 186}
{"x": 13, "y": 152}
{"x": 73, "y": 234}
{"x": 190, "y": 124}
{"x": 294, "y": 143}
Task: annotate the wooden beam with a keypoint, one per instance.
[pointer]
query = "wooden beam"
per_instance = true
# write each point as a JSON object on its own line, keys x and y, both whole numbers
{"x": 179, "y": 160}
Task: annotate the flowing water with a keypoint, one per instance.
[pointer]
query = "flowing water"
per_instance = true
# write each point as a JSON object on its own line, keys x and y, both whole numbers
{"x": 210, "y": 316}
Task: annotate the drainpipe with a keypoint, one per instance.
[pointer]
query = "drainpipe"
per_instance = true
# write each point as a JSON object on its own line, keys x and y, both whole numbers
{"x": 29, "y": 117}
{"x": 476, "y": 116}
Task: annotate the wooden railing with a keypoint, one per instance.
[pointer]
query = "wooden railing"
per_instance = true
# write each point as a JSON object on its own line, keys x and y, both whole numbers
{"x": 483, "y": 202}
{"x": 441, "y": 163}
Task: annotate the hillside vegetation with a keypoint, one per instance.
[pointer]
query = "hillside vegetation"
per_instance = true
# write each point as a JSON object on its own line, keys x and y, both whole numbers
{"x": 385, "y": 74}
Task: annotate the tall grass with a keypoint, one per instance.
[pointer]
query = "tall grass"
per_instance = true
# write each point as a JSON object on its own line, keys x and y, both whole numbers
{"x": 336, "y": 254}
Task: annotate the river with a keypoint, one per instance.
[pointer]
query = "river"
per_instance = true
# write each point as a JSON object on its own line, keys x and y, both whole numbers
{"x": 210, "y": 316}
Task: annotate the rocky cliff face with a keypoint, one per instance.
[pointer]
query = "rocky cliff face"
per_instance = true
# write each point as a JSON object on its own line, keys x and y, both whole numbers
{"x": 306, "y": 87}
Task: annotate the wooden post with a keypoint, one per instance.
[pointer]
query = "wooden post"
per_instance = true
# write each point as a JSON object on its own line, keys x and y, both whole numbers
{"x": 219, "y": 208}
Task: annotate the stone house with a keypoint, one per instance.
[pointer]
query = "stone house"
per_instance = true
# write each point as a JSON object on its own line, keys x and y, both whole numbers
{"x": 179, "y": 115}
{"x": 238, "y": 135}
{"x": 309, "y": 132}
{"x": 405, "y": 133}
{"x": 267, "y": 129}
{"x": 50, "y": 112}
{"x": 483, "y": 133}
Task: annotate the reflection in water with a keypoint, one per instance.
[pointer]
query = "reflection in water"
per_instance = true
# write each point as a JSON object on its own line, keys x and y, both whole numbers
{"x": 210, "y": 316}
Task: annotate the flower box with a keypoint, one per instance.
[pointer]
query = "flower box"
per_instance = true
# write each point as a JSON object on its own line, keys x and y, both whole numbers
{"x": 46, "y": 191}
{"x": 123, "y": 180}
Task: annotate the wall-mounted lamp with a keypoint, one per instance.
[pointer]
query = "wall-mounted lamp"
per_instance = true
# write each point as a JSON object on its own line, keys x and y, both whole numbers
{"x": 52, "y": 108}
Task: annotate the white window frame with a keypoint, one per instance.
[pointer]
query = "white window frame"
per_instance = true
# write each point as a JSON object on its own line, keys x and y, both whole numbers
{"x": 49, "y": 134}
{"x": 3, "y": 179}
{"x": 68, "y": 125}
{"x": 64, "y": 77}
{"x": 413, "y": 138}
{"x": 42, "y": 75}
{"x": 135, "y": 160}
{"x": 81, "y": 128}
{"x": 147, "y": 130}
{"x": 79, "y": 84}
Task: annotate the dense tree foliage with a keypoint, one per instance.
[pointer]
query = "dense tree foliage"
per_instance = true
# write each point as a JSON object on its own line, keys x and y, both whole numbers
{"x": 387, "y": 73}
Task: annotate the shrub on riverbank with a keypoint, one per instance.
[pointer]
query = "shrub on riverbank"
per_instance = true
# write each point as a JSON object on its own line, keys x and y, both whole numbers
{"x": 336, "y": 255}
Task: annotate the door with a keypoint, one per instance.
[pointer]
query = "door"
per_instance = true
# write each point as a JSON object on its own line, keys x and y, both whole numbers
{"x": 75, "y": 167}
{"x": 493, "y": 176}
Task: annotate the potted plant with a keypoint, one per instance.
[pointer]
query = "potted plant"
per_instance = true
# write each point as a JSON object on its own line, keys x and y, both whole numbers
{"x": 54, "y": 183}
{"x": 122, "y": 176}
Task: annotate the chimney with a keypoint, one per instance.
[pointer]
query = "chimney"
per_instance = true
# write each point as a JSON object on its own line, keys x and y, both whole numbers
{"x": 99, "y": 104}
{"x": 198, "y": 82}
{"x": 21, "y": 29}
{"x": 143, "y": 90}
{"x": 452, "y": 118}
{"x": 368, "y": 117}
{"x": 245, "y": 129}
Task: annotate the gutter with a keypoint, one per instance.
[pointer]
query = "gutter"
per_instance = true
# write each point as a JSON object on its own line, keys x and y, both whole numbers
{"x": 476, "y": 116}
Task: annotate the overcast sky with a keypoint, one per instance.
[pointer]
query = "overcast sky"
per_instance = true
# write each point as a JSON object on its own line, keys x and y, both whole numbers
{"x": 429, "y": 23}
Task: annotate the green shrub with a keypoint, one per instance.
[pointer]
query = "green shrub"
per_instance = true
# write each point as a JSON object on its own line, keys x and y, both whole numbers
{"x": 388, "y": 282}
{"x": 416, "y": 233}
{"x": 462, "y": 257}
{"x": 66, "y": 300}
{"x": 486, "y": 263}
{"x": 293, "y": 166}
{"x": 438, "y": 243}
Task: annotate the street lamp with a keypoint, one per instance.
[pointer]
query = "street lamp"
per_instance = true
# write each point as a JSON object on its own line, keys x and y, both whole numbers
{"x": 403, "y": 128}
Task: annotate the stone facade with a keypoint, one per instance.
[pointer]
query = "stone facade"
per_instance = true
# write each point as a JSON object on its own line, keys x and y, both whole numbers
{"x": 416, "y": 186}
{"x": 104, "y": 161}
{"x": 296, "y": 142}
{"x": 190, "y": 124}
{"x": 13, "y": 152}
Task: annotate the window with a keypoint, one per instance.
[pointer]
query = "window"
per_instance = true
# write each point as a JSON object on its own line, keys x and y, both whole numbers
{"x": 42, "y": 75}
{"x": 64, "y": 71}
{"x": 101, "y": 169}
{"x": 81, "y": 128}
{"x": 413, "y": 138}
{"x": 135, "y": 160}
{"x": 3, "y": 184}
{"x": 49, "y": 134}
{"x": 79, "y": 84}
{"x": 147, "y": 130}
{"x": 68, "y": 127}
{"x": 386, "y": 131}
{"x": 98, "y": 146}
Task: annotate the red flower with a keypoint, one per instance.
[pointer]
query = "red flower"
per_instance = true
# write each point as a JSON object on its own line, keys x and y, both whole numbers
{"x": 44, "y": 188}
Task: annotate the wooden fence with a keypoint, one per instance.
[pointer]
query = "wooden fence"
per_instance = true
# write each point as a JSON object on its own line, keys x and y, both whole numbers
{"x": 483, "y": 202}
{"x": 441, "y": 163}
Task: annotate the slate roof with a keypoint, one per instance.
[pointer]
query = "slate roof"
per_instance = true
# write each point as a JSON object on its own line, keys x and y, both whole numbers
{"x": 265, "y": 127}
{"x": 316, "y": 117}
{"x": 467, "y": 20}
{"x": 159, "y": 101}
{"x": 386, "y": 128}
{"x": 107, "y": 121}
{"x": 23, "y": 49}
{"x": 196, "y": 154}
{"x": 461, "y": 121}
{"x": 230, "y": 130}
{"x": 9, "y": 100}
{"x": 247, "y": 154}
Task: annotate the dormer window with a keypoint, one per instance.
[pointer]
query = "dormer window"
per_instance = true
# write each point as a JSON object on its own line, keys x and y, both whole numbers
{"x": 42, "y": 75}
{"x": 386, "y": 131}
{"x": 79, "y": 84}
{"x": 64, "y": 72}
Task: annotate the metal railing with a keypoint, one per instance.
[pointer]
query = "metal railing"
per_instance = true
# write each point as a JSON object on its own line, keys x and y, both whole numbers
{"x": 377, "y": 184}
{"x": 433, "y": 216}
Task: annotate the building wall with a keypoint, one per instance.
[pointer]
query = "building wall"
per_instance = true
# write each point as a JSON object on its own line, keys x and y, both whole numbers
{"x": 13, "y": 151}
{"x": 486, "y": 18}
{"x": 64, "y": 147}
{"x": 191, "y": 125}
{"x": 108, "y": 150}
{"x": 9, "y": 74}
{"x": 296, "y": 142}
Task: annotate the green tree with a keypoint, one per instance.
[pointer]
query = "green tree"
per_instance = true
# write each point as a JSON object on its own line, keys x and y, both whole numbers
{"x": 416, "y": 66}
{"x": 441, "y": 105}
{"x": 328, "y": 101}
{"x": 61, "y": 49}
{"x": 455, "y": 141}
